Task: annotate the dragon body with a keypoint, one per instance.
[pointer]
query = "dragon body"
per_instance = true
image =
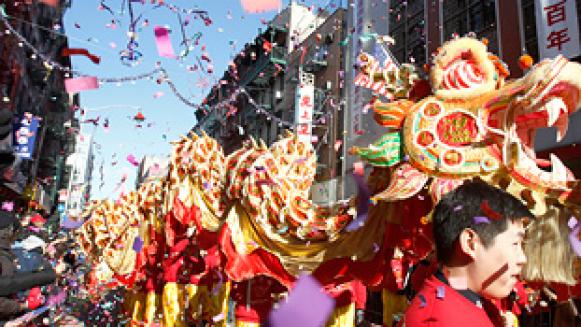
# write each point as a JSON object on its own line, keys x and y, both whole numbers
{"x": 249, "y": 213}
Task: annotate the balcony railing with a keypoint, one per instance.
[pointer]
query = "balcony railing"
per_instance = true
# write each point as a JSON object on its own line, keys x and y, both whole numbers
{"x": 276, "y": 56}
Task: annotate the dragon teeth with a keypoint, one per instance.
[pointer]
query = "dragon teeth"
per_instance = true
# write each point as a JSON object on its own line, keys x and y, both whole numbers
{"x": 559, "y": 171}
{"x": 562, "y": 129}
{"x": 554, "y": 109}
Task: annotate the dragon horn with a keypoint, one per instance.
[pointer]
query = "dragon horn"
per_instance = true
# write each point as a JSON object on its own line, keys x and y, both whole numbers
{"x": 263, "y": 145}
{"x": 253, "y": 142}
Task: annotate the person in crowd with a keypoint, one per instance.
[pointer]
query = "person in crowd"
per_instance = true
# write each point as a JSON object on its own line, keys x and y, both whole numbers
{"x": 478, "y": 231}
{"x": 11, "y": 280}
{"x": 37, "y": 227}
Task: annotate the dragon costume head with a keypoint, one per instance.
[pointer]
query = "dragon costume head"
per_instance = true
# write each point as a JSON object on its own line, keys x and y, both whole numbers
{"x": 479, "y": 124}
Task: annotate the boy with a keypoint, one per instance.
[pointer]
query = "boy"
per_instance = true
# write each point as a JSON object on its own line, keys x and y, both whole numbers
{"x": 478, "y": 232}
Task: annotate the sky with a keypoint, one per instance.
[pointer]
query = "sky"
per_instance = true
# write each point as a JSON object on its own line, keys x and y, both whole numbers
{"x": 90, "y": 27}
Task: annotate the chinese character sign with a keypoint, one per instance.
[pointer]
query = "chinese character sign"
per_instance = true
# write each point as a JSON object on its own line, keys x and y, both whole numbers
{"x": 25, "y": 136}
{"x": 557, "y": 28}
{"x": 304, "y": 107}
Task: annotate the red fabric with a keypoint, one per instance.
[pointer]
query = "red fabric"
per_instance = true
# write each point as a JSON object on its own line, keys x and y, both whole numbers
{"x": 421, "y": 273}
{"x": 347, "y": 293}
{"x": 452, "y": 310}
{"x": 256, "y": 308}
{"x": 259, "y": 262}
{"x": 34, "y": 299}
{"x": 360, "y": 294}
{"x": 37, "y": 218}
{"x": 420, "y": 90}
{"x": 411, "y": 236}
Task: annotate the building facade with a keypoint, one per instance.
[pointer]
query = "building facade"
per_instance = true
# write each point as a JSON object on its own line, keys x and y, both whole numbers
{"x": 259, "y": 94}
{"x": 32, "y": 88}
{"x": 365, "y": 19}
{"x": 315, "y": 70}
{"x": 419, "y": 27}
{"x": 249, "y": 100}
{"x": 80, "y": 164}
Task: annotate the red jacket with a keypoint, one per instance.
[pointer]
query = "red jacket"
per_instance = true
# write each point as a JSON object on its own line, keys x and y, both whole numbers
{"x": 437, "y": 304}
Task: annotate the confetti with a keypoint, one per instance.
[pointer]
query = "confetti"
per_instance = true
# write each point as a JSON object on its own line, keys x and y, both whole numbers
{"x": 8, "y": 206}
{"x": 131, "y": 159}
{"x": 489, "y": 212}
{"x": 363, "y": 195}
{"x": 358, "y": 168}
{"x": 306, "y": 305}
{"x": 572, "y": 222}
{"x": 164, "y": 47}
{"x": 137, "y": 244}
{"x": 440, "y": 292}
{"x": 574, "y": 240}
{"x": 338, "y": 144}
{"x": 75, "y": 85}
{"x": 481, "y": 220}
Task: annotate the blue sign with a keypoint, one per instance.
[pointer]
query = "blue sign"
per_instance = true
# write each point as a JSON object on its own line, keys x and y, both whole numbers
{"x": 25, "y": 136}
{"x": 60, "y": 207}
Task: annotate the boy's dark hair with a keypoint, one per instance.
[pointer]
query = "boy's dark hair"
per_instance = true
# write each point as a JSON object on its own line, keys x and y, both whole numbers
{"x": 475, "y": 198}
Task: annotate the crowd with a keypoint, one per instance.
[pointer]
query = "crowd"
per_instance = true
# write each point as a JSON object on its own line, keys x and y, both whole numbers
{"x": 39, "y": 269}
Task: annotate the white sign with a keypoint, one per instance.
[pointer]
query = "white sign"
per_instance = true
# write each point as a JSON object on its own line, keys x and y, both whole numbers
{"x": 305, "y": 105}
{"x": 557, "y": 28}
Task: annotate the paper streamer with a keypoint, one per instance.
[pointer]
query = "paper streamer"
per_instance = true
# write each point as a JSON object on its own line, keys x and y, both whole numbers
{"x": 84, "y": 52}
{"x": 75, "y": 85}
{"x": 131, "y": 159}
{"x": 164, "y": 47}
{"x": 306, "y": 306}
{"x": 363, "y": 196}
{"x": 256, "y": 6}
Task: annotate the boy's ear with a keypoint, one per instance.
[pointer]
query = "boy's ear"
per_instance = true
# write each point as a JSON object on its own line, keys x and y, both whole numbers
{"x": 468, "y": 242}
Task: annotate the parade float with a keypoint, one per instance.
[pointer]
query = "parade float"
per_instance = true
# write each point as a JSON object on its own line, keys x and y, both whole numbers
{"x": 244, "y": 223}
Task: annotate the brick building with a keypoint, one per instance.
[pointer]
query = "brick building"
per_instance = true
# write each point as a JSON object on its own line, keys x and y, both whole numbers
{"x": 29, "y": 85}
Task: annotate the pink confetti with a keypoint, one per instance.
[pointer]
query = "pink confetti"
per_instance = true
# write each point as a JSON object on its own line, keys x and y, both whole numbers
{"x": 164, "y": 47}
{"x": 8, "y": 206}
{"x": 338, "y": 144}
{"x": 75, "y": 85}
{"x": 358, "y": 168}
{"x": 52, "y": 3}
{"x": 131, "y": 159}
{"x": 256, "y": 6}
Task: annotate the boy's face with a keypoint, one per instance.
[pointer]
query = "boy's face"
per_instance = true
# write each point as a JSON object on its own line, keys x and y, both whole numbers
{"x": 497, "y": 267}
